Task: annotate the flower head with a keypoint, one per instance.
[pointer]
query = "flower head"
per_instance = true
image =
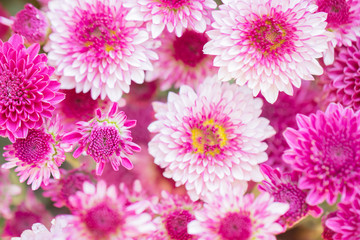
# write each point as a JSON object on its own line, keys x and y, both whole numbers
{"x": 232, "y": 217}
{"x": 284, "y": 189}
{"x": 210, "y": 139}
{"x": 325, "y": 149}
{"x": 95, "y": 48}
{"x": 346, "y": 222}
{"x": 99, "y": 212}
{"x": 270, "y": 45}
{"x": 181, "y": 60}
{"x": 176, "y": 15}
{"x": 39, "y": 155}
{"x": 26, "y": 92}
{"x": 106, "y": 138}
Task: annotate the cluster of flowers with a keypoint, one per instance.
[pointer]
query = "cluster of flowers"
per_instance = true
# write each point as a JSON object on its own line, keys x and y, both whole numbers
{"x": 246, "y": 119}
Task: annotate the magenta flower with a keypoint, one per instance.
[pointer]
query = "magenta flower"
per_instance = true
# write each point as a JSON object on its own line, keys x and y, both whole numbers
{"x": 181, "y": 60}
{"x": 39, "y": 155}
{"x": 325, "y": 149}
{"x": 347, "y": 221}
{"x": 210, "y": 138}
{"x": 26, "y": 92}
{"x": 283, "y": 188}
{"x": 94, "y": 48}
{"x": 269, "y": 45}
{"x": 106, "y": 138}
{"x": 238, "y": 217}
{"x": 99, "y": 212}
{"x": 176, "y": 16}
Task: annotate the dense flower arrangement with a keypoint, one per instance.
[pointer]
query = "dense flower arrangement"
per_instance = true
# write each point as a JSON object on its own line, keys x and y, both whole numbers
{"x": 180, "y": 120}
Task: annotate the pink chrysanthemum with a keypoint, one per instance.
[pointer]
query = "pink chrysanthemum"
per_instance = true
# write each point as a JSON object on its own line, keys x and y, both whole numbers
{"x": 270, "y": 45}
{"x": 95, "y": 48}
{"x": 342, "y": 78}
{"x": 284, "y": 189}
{"x": 26, "y": 92}
{"x": 181, "y": 60}
{"x": 326, "y": 149}
{"x": 39, "y": 155}
{"x": 282, "y": 115}
{"x": 71, "y": 181}
{"x": 327, "y": 233}
{"x": 210, "y": 139}
{"x": 172, "y": 215}
{"x": 176, "y": 15}
{"x": 31, "y": 23}
{"x": 346, "y": 222}
{"x": 99, "y": 212}
{"x": 343, "y": 19}
{"x": 232, "y": 217}
{"x": 106, "y": 138}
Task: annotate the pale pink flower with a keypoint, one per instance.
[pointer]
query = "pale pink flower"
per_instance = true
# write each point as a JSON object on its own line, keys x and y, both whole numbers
{"x": 176, "y": 16}
{"x": 39, "y": 155}
{"x": 210, "y": 138}
{"x": 181, "y": 60}
{"x": 233, "y": 217}
{"x": 269, "y": 45}
{"x": 94, "y": 48}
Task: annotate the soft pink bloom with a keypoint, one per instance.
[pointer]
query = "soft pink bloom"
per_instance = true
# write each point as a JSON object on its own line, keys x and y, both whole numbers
{"x": 176, "y": 16}
{"x": 269, "y": 45}
{"x": 282, "y": 115}
{"x": 283, "y": 188}
{"x": 181, "y": 60}
{"x": 238, "y": 217}
{"x": 27, "y": 94}
{"x": 343, "y": 18}
{"x": 325, "y": 149}
{"x": 106, "y": 138}
{"x": 347, "y": 221}
{"x": 342, "y": 78}
{"x": 7, "y": 191}
{"x": 210, "y": 138}
{"x": 94, "y": 48}
{"x": 39, "y": 155}
{"x": 99, "y": 212}
{"x": 171, "y": 217}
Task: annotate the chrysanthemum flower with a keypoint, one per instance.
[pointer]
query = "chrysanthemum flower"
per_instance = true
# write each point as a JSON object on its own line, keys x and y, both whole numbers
{"x": 176, "y": 16}
{"x": 106, "y": 138}
{"x": 326, "y": 149}
{"x": 343, "y": 19}
{"x": 39, "y": 155}
{"x": 71, "y": 181}
{"x": 347, "y": 221}
{"x": 210, "y": 139}
{"x": 95, "y": 48}
{"x": 7, "y": 191}
{"x": 172, "y": 215}
{"x": 282, "y": 115}
{"x": 238, "y": 217}
{"x": 99, "y": 212}
{"x": 283, "y": 188}
{"x": 181, "y": 60}
{"x": 342, "y": 78}
{"x": 26, "y": 92}
{"x": 270, "y": 45}
{"x": 327, "y": 233}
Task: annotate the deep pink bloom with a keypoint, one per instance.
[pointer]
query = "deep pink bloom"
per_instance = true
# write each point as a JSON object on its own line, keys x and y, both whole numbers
{"x": 283, "y": 187}
{"x": 27, "y": 94}
{"x": 347, "y": 221}
{"x": 327, "y": 233}
{"x": 106, "y": 138}
{"x": 325, "y": 149}
{"x": 39, "y": 155}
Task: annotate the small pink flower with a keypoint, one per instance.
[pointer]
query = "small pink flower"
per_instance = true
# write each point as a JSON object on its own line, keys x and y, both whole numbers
{"x": 325, "y": 149}
{"x": 27, "y": 94}
{"x": 39, "y": 155}
{"x": 106, "y": 138}
{"x": 176, "y": 15}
